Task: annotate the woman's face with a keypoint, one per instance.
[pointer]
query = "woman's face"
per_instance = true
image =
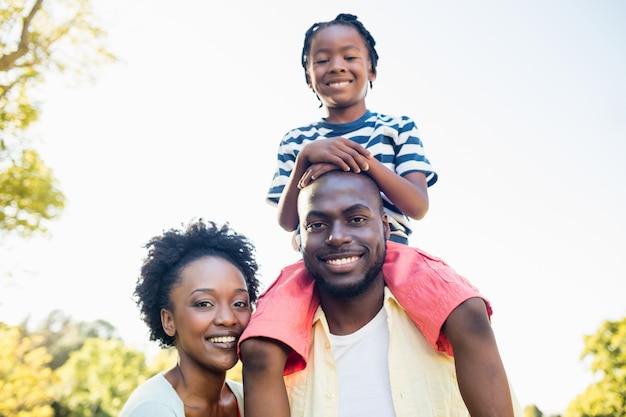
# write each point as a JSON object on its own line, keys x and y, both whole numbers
{"x": 211, "y": 308}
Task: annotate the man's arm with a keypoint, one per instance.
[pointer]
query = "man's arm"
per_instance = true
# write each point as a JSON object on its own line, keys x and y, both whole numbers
{"x": 264, "y": 391}
{"x": 480, "y": 373}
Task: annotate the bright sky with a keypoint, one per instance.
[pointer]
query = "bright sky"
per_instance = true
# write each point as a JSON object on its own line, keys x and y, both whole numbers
{"x": 521, "y": 106}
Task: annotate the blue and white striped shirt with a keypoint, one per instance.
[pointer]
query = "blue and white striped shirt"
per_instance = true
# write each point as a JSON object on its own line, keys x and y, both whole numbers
{"x": 392, "y": 140}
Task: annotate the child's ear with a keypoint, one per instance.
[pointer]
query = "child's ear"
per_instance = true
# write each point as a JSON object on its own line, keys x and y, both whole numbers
{"x": 371, "y": 73}
{"x": 167, "y": 321}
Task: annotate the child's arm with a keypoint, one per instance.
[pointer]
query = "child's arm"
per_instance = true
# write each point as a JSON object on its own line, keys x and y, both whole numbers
{"x": 264, "y": 391}
{"x": 480, "y": 373}
{"x": 409, "y": 192}
{"x": 347, "y": 155}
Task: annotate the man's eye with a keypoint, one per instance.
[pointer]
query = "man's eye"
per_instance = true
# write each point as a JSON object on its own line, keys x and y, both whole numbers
{"x": 358, "y": 220}
{"x": 315, "y": 226}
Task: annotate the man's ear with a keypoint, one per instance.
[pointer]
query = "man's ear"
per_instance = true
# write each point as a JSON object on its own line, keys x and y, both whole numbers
{"x": 386, "y": 227}
{"x": 167, "y": 321}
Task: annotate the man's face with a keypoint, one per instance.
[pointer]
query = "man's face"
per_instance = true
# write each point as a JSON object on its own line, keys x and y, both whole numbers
{"x": 343, "y": 233}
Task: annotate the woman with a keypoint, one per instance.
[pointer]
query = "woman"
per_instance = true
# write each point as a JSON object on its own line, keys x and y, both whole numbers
{"x": 195, "y": 292}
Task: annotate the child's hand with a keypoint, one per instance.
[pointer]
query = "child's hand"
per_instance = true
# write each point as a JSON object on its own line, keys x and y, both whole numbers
{"x": 341, "y": 152}
{"x": 315, "y": 171}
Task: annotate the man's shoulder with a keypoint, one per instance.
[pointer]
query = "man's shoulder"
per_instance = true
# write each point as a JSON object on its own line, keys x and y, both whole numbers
{"x": 398, "y": 253}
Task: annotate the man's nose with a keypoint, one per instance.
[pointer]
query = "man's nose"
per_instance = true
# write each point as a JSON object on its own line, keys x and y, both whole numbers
{"x": 338, "y": 235}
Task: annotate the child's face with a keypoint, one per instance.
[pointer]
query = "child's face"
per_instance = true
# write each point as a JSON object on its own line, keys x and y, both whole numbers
{"x": 339, "y": 68}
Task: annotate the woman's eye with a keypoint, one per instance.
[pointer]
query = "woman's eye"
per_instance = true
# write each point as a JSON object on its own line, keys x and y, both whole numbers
{"x": 204, "y": 304}
{"x": 241, "y": 304}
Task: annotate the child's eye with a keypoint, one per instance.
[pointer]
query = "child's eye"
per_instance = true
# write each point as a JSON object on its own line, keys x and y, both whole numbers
{"x": 321, "y": 61}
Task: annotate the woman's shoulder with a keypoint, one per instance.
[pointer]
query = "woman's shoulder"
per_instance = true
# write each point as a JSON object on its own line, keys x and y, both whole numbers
{"x": 237, "y": 389}
{"x": 155, "y": 394}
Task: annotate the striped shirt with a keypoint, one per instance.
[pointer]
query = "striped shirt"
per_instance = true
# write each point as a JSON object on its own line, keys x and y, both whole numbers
{"x": 392, "y": 140}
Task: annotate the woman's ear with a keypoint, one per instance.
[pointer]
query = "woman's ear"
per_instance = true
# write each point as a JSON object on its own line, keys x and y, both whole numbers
{"x": 167, "y": 321}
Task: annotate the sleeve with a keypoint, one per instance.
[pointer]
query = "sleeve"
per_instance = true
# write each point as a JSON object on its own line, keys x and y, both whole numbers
{"x": 285, "y": 161}
{"x": 428, "y": 290}
{"x": 410, "y": 152}
{"x": 285, "y": 312}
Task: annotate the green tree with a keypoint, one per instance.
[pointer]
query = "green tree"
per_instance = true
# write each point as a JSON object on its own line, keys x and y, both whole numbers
{"x": 532, "y": 411}
{"x": 61, "y": 335}
{"x": 25, "y": 379}
{"x": 607, "y": 396}
{"x": 97, "y": 380}
{"x": 37, "y": 38}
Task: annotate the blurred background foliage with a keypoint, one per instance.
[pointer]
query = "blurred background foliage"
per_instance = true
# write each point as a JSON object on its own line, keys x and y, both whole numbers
{"x": 65, "y": 368}
{"x": 38, "y": 39}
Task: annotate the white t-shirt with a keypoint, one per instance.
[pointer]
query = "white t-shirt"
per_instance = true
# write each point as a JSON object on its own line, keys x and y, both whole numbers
{"x": 363, "y": 370}
{"x": 157, "y": 398}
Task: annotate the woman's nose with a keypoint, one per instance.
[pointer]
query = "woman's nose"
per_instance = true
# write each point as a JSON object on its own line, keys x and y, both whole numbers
{"x": 225, "y": 316}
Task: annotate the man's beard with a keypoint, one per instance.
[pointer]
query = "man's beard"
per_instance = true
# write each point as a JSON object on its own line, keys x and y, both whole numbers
{"x": 358, "y": 288}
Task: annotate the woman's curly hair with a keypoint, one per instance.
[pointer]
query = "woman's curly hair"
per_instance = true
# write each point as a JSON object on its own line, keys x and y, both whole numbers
{"x": 170, "y": 252}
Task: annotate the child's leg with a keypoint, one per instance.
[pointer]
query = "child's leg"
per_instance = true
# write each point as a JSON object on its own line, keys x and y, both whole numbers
{"x": 264, "y": 389}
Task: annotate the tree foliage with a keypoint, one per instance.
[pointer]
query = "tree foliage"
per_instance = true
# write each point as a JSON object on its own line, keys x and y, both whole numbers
{"x": 532, "y": 411}
{"x": 37, "y": 38}
{"x": 97, "y": 380}
{"x": 94, "y": 375}
{"x": 25, "y": 379}
{"x": 607, "y": 396}
{"x": 60, "y": 335}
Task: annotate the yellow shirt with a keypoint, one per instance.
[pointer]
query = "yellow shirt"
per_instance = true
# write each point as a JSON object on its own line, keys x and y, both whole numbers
{"x": 423, "y": 381}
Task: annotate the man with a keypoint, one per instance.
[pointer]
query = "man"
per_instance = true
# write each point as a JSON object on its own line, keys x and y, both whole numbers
{"x": 367, "y": 357}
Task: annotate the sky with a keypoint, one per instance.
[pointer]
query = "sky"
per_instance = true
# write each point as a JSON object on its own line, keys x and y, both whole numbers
{"x": 521, "y": 107}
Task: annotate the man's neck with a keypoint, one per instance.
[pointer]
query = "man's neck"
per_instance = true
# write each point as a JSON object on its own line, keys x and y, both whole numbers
{"x": 347, "y": 315}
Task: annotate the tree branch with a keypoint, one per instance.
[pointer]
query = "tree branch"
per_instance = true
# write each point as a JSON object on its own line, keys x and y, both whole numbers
{"x": 8, "y": 61}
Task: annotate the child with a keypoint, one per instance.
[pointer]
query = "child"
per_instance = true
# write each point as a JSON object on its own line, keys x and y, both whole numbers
{"x": 339, "y": 60}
